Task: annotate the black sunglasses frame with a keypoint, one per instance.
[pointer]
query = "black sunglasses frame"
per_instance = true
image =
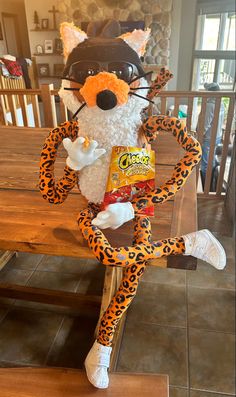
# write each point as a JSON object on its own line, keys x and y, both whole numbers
{"x": 101, "y": 67}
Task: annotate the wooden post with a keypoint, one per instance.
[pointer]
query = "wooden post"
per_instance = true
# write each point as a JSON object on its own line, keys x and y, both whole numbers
{"x": 23, "y": 106}
{"x": 35, "y": 106}
{"x": 212, "y": 147}
{"x": 49, "y": 108}
{"x": 230, "y": 116}
{"x": 189, "y": 115}
{"x": 3, "y": 118}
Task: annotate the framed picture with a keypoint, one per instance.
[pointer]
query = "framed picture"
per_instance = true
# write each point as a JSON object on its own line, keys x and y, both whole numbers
{"x": 48, "y": 46}
{"x": 58, "y": 46}
{"x": 58, "y": 69}
{"x": 45, "y": 23}
{"x": 39, "y": 49}
{"x": 43, "y": 69}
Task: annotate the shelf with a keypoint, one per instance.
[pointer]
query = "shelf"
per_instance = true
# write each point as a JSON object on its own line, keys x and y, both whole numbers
{"x": 49, "y": 77}
{"x": 44, "y": 30}
{"x": 45, "y": 55}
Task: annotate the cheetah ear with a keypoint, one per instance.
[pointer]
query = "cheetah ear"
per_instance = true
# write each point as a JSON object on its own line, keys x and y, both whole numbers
{"x": 137, "y": 40}
{"x": 71, "y": 36}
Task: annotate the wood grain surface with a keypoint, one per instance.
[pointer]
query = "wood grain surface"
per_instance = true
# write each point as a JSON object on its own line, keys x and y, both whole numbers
{"x": 40, "y": 382}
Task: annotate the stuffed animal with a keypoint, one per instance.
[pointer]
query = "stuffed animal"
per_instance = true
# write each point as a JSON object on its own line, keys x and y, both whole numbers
{"x": 105, "y": 86}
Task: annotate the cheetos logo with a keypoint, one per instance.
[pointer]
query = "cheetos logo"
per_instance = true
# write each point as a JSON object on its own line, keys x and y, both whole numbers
{"x": 129, "y": 159}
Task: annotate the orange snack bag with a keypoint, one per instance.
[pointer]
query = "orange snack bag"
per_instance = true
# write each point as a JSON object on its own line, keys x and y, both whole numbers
{"x": 131, "y": 174}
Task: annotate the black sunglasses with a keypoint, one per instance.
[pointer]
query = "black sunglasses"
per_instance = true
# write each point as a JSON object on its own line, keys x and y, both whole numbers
{"x": 80, "y": 70}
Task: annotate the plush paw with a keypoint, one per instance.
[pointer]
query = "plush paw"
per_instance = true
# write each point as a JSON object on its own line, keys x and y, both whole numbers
{"x": 97, "y": 364}
{"x": 114, "y": 216}
{"x": 80, "y": 156}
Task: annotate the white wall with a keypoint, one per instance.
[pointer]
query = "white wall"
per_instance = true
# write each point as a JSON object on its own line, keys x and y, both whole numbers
{"x": 36, "y": 38}
{"x": 186, "y": 44}
{"x": 175, "y": 42}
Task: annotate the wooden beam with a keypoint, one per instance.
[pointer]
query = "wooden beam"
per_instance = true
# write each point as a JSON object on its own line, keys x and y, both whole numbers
{"x": 53, "y": 297}
{"x": 5, "y": 256}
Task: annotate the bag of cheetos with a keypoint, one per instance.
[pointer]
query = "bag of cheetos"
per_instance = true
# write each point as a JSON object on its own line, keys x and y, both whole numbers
{"x": 131, "y": 174}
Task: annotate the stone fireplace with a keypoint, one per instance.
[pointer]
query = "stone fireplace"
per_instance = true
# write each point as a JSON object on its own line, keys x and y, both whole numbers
{"x": 156, "y": 15}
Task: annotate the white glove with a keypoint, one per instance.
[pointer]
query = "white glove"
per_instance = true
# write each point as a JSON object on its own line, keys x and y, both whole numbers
{"x": 79, "y": 156}
{"x": 114, "y": 216}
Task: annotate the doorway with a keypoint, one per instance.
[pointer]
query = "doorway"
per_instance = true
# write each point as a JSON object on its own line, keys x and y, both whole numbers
{"x": 12, "y": 35}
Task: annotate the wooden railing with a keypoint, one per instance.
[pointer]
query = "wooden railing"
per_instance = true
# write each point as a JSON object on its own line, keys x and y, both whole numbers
{"x": 43, "y": 108}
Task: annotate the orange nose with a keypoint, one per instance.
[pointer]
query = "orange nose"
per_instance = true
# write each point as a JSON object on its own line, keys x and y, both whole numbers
{"x": 105, "y": 90}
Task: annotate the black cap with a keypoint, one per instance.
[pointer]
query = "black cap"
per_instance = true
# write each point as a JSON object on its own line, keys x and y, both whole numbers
{"x": 103, "y": 50}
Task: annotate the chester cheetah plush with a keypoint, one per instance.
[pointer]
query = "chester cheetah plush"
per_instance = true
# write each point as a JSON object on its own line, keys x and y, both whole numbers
{"x": 105, "y": 86}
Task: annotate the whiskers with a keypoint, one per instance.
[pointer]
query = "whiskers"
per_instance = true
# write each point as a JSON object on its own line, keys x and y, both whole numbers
{"x": 140, "y": 96}
{"x": 140, "y": 88}
{"x": 77, "y": 111}
{"x": 71, "y": 88}
{"x": 140, "y": 76}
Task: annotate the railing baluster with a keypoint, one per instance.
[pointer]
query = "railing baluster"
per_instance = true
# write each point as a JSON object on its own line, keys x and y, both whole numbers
{"x": 225, "y": 146}
{"x": 212, "y": 146}
{"x": 163, "y": 105}
{"x": 189, "y": 113}
{"x": 13, "y": 110}
{"x": 49, "y": 108}
{"x": 63, "y": 111}
{"x": 3, "y": 116}
{"x": 23, "y": 106}
{"x": 35, "y": 105}
{"x": 176, "y": 108}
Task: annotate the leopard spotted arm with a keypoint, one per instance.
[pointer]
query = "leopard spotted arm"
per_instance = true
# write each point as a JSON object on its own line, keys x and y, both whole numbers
{"x": 52, "y": 191}
{"x": 161, "y": 80}
{"x": 183, "y": 168}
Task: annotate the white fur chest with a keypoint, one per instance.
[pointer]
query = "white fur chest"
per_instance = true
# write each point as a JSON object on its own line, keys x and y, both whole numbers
{"x": 108, "y": 132}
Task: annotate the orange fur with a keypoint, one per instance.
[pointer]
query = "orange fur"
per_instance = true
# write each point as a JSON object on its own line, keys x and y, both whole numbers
{"x": 104, "y": 81}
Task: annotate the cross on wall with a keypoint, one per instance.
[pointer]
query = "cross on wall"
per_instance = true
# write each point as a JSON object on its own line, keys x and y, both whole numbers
{"x": 54, "y": 12}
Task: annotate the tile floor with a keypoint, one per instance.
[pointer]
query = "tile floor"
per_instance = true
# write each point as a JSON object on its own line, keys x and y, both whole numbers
{"x": 181, "y": 322}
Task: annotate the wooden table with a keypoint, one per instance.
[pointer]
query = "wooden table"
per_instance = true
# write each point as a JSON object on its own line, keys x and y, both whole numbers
{"x": 30, "y": 224}
{"x": 55, "y": 382}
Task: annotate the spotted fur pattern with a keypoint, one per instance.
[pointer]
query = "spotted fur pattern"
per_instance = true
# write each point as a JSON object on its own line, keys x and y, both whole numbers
{"x": 161, "y": 80}
{"x": 183, "y": 168}
{"x": 56, "y": 193}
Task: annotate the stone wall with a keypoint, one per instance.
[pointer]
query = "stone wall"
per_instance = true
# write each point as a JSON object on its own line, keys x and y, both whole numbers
{"x": 155, "y": 13}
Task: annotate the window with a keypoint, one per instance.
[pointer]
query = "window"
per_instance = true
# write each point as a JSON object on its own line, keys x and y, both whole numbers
{"x": 214, "y": 54}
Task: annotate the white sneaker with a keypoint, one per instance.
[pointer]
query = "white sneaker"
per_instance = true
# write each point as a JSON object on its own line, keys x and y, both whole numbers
{"x": 203, "y": 245}
{"x": 96, "y": 365}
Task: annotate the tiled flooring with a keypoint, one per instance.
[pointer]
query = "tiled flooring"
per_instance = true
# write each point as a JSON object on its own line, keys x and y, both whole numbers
{"x": 181, "y": 323}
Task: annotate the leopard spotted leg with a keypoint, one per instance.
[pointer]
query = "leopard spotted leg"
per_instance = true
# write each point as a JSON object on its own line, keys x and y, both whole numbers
{"x": 125, "y": 256}
{"x": 128, "y": 286}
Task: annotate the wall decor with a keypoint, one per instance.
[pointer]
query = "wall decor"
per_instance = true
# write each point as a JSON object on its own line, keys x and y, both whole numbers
{"x": 43, "y": 69}
{"x": 58, "y": 46}
{"x": 36, "y": 21}
{"x": 48, "y": 46}
{"x": 53, "y": 11}
{"x": 58, "y": 69}
{"x": 45, "y": 24}
{"x": 39, "y": 49}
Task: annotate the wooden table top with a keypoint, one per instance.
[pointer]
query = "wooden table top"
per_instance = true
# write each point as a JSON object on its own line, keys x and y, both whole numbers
{"x": 30, "y": 224}
{"x": 57, "y": 382}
